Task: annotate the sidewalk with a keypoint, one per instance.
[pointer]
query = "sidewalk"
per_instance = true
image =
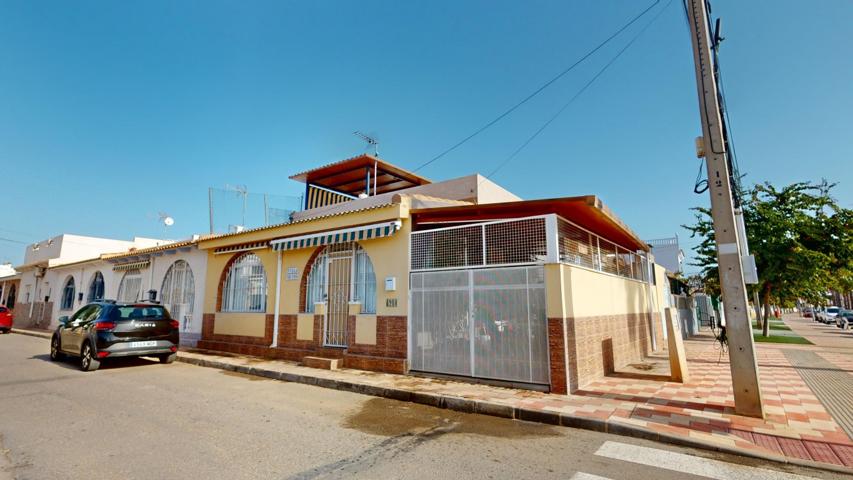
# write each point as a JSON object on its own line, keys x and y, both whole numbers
{"x": 798, "y": 429}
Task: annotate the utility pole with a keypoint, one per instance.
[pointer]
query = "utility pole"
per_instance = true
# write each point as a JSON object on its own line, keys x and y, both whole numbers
{"x": 744, "y": 368}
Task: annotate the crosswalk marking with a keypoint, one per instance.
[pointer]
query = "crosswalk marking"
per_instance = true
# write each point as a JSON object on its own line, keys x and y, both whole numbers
{"x": 587, "y": 476}
{"x": 680, "y": 462}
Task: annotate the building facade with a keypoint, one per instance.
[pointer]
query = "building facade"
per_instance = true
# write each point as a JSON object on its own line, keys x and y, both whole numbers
{"x": 460, "y": 278}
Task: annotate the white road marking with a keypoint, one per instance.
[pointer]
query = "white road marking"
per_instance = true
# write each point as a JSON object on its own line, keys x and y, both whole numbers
{"x": 680, "y": 462}
{"x": 587, "y": 476}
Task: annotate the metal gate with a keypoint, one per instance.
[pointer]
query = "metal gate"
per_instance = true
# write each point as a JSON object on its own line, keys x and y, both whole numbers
{"x": 485, "y": 323}
{"x": 339, "y": 274}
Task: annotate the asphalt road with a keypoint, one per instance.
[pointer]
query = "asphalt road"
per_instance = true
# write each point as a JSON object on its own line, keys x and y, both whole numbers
{"x": 140, "y": 419}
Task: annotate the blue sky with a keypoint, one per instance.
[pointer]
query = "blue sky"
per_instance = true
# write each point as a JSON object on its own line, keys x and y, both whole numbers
{"x": 113, "y": 111}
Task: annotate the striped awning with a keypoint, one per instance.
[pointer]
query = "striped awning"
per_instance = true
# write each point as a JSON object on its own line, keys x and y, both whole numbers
{"x": 131, "y": 266}
{"x": 243, "y": 247}
{"x": 353, "y": 234}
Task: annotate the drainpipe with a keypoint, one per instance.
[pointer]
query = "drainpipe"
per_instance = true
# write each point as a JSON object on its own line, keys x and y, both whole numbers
{"x": 150, "y": 277}
{"x": 277, "y": 301}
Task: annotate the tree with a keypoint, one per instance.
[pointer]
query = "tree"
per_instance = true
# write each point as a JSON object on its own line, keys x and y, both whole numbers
{"x": 801, "y": 238}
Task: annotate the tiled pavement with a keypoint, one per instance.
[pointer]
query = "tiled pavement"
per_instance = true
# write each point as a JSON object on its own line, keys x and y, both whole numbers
{"x": 797, "y": 426}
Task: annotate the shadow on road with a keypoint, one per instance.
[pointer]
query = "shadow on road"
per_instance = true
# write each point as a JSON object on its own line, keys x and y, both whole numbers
{"x": 108, "y": 364}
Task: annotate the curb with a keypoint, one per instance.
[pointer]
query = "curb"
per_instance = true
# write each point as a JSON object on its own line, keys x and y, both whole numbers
{"x": 31, "y": 333}
{"x": 465, "y": 405}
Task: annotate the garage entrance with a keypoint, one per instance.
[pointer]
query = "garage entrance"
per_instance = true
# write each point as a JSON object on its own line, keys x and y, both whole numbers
{"x": 485, "y": 323}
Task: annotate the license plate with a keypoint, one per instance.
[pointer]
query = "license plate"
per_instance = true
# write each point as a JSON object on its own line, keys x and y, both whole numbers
{"x": 143, "y": 344}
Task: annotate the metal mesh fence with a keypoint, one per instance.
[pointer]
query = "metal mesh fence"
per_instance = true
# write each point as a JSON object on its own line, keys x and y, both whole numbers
{"x": 236, "y": 208}
{"x": 580, "y": 247}
{"x": 495, "y": 243}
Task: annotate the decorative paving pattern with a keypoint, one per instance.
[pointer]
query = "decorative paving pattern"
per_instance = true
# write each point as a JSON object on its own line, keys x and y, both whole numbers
{"x": 832, "y": 386}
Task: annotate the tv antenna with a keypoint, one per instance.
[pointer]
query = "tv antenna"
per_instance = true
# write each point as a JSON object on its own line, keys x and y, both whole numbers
{"x": 371, "y": 141}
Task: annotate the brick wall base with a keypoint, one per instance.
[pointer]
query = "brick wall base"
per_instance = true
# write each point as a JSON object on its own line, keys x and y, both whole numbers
{"x": 585, "y": 349}
{"x": 388, "y": 355}
{"x": 40, "y": 318}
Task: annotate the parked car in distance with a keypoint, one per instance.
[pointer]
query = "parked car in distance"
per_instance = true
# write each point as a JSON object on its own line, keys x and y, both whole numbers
{"x": 6, "y": 319}
{"x": 808, "y": 313}
{"x": 108, "y": 329}
{"x": 829, "y": 314}
{"x": 844, "y": 319}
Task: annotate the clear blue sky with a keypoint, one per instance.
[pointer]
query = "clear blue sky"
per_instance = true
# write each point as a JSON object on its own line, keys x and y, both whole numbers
{"x": 113, "y": 111}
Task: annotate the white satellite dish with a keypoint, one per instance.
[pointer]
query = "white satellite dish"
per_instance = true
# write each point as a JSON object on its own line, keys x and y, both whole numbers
{"x": 168, "y": 221}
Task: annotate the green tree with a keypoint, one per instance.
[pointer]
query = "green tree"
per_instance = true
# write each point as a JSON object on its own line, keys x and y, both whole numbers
{"x": 801, "y": 238}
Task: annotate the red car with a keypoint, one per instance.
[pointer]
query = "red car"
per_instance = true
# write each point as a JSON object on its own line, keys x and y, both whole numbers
{"x": 6, "y": 318}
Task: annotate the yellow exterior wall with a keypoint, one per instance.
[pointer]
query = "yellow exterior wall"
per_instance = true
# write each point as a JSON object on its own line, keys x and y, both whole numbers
{"x": 389, "y": 255}
{"x": 365, "y": 329}
{"x": 247, "y": 324}
{"x": 305, "y": 326}
{"x": 578, "y": 292}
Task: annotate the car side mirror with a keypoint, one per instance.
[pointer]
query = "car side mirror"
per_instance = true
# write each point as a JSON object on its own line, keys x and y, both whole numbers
{"x": 63, "y": 320}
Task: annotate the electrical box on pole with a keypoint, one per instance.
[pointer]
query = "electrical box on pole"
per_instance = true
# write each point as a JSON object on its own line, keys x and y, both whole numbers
{"x": 744, "y": 367}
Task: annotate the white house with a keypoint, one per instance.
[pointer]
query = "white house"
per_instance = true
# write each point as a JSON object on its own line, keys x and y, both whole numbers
{"x": 173, "y": 274}
{"x": 59, "y": 274}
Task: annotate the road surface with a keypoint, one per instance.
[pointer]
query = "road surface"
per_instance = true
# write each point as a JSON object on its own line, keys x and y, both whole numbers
{"x": 137, "y": 419}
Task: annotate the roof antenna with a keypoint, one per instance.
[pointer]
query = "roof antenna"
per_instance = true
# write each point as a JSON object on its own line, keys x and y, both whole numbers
{"x": 371, "y": 140}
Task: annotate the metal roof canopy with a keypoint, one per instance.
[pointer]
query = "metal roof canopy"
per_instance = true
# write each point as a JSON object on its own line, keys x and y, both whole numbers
{"x": 351, "y": 176}
{"x": 586, "y": 211}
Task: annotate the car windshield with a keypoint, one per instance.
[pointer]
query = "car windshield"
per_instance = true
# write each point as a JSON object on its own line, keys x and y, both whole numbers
{"x": 832, "y": 310}
{"x": 136, "y": 312}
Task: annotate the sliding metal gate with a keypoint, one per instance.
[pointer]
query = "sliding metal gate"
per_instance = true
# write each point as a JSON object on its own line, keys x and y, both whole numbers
{"x": 485, "y": 323}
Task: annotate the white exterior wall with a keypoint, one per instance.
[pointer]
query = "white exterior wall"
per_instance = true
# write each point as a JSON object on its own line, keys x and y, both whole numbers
{"x": 155, "y": 274}
{"x": 83, "y": 274}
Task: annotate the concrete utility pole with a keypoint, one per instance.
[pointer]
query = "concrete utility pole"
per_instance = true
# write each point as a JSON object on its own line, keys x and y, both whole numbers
{"x": 744, "y": 367}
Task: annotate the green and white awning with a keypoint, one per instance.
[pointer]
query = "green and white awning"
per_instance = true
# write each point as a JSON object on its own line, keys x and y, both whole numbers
{"x": 344, "y": 235}
{"x": 131, "y": 266}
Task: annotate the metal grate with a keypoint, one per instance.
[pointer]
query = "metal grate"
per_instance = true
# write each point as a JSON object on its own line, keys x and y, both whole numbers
{"x": 576, "y": 245}
{"x": 485, "y": 323}
{"x": 505, "y": 242}
{"x": 178, "y": 293}
{"x": 514, "y": 242}
{"x": 245, "y": 286}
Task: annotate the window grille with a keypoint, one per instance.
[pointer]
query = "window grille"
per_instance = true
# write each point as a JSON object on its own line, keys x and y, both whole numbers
{"x": 607, "y": 252}
{"x": 96, "y": 288}
{"x": 178, "y": 293}
{"x": 68, "y": 295}
{"x": 245, "y": 286}
{"x": 452, "y": 247}
{"x": 363, "y": 277}
{"x": 130, "y": 286}
{"x": 364, "y": 281}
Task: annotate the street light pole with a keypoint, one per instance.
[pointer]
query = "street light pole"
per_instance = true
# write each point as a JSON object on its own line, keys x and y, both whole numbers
{"x": 744, "y": 368}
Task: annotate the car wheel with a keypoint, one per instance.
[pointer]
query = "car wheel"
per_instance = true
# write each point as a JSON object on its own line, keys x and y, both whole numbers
{"x": 87, "y": 362}
{"x": 167, "y": 358}
{"x": 55, "y": 352}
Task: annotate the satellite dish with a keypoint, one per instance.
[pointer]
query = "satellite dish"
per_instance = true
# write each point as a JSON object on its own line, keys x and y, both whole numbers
{"x": 168, "y": 221}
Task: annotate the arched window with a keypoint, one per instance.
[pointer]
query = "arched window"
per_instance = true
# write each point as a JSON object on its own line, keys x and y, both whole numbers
{"x": 130, "y": 286}
{"x": 178, "y": 292}
{"x": 363, "y": 279}
{"x": 245, "y": 288}
{"x": 96, "y": 288}
{"x": 315, "y": 290}
{"x": 68, "y": 295}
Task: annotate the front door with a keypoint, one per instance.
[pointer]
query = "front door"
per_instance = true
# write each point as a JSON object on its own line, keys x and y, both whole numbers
{"x": 339, "y": 287}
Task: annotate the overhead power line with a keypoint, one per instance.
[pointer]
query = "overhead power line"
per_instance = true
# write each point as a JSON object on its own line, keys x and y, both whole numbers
{"x": 540, "y": 89}
{"x": 579, "y": 92}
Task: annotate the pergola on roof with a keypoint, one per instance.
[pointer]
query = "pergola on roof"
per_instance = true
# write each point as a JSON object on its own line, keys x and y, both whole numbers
{"x": 351, "y": 176}
{"x": 586, "y": 211}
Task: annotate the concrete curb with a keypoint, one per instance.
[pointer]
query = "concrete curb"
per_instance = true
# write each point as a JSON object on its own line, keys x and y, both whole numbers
{"x": 466, "y": 405}
{"x": 31, "y": 333}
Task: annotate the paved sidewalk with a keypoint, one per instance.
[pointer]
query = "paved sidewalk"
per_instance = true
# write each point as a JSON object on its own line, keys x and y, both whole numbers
{"x": 798, "y": 428}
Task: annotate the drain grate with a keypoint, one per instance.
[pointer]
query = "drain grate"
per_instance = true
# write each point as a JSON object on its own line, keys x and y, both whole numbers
{"x": 831, "y": 385}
